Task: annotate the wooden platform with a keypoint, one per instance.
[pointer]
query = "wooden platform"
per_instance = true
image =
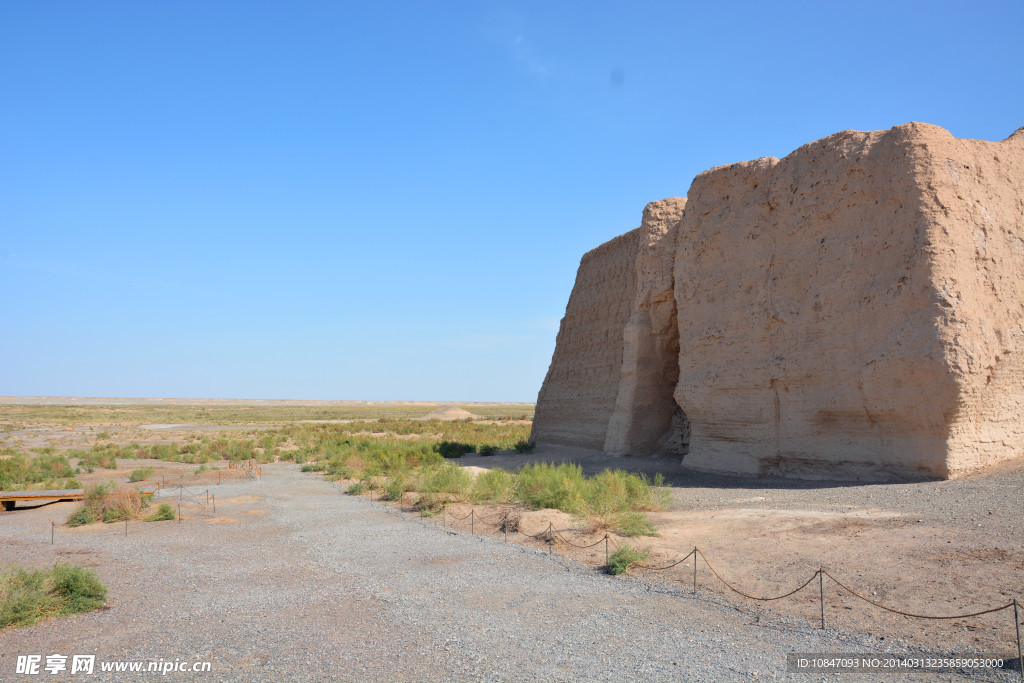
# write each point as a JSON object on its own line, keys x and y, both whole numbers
{"x": 10, "y": 498}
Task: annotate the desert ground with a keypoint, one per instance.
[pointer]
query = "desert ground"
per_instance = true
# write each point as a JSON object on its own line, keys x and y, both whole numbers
{"x": 290, "y": 578}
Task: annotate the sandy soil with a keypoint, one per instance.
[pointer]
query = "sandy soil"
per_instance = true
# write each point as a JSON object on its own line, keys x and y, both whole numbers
{"x": 931, "y": 547}
{"x": 84, "y": 436}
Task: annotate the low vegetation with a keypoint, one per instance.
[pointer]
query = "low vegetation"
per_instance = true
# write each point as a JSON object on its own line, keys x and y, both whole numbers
{"x": 141, "y": 474}
{"x": 12, "y": 416}
{"x": 30, "y": 596}
{"x": 393, "y": 455}
{"x": 42, "y": 470}
{"x": 109, "y": 503}
{"x": 612, "y": 500}
{"x": 163, "y": 513}
{"x": 625, "y": 557}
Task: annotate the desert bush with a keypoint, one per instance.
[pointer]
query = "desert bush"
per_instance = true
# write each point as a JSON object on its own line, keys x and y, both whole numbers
{"x": 141, "y": 474}
{"x": 356, "y": 489}
{"x": 314, "y": 467}
{"x": 29, "y": 596}
{"x": 546, "y": 485}
{"x": 632, "y": 524}
{"x": 105, "y": 503}
{"x": 487, "y": 449}
{"x": 615, "y": 500}
{"x": 625, "y": 557}
{"x": 454, "y": 449}
{"x": 100, "y": 457}
{"x": 396, "y": 486}
{"x": 163, "y": 512}
{"x": 524, "y": 446}
{"x": 19, "y": 471}
{"x": 450, "y": 480}
{"x": 494, "y": 486}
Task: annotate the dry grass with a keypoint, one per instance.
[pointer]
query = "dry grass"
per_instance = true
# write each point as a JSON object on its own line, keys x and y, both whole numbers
{"x": 106, "y": 503}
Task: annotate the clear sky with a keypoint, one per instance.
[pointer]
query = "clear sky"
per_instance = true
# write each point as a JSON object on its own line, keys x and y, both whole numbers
{"x": 389, "y": 200}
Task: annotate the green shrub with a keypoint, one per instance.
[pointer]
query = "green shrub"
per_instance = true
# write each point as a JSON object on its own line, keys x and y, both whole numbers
{"x": 81, "y": 516}
{"x": 28, "y": 597}
{"x": 356, "y": 489}
{"x": 395, "y": 487}
{"x": 450, "y": 480}
{"x": 104, "y": 503}
{"x": 141, "y": 474}
{"x": 79, "y": 589}
{"x": 164, "y": 512}
{"x": 625, "y": 557}
{"x": 546, "y": 485}
{"x": 494, "y": 486}
{"x": 524, "y": 446}
{"x": 314, "y": 467}
{"x": 19, "y": 471}
{"x": 615, "y": 500}
{"x": 453, "y": 449}
{"x": 112, "y": 514}
{"x": 488, "y": 449}
{"x": 633, "y": 524}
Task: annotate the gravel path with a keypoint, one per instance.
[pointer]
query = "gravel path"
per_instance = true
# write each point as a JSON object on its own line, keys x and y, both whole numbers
{"x": 292, "y": 580}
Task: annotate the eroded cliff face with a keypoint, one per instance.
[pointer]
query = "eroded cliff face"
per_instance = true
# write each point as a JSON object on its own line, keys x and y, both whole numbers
{"x": 855, "y": 309}
{"x": 642, "y": 421}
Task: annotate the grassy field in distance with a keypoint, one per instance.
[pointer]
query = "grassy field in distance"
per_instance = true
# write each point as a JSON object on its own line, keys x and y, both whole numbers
{"x": 17, "y": 416}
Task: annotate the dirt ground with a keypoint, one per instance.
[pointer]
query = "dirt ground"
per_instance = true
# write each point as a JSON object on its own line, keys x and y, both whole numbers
{"x": 85, "y": 435}
{"x": 934, "y": 548}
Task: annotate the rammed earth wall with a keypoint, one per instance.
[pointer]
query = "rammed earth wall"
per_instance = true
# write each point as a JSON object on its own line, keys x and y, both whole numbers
{"x": 854, "y": 309}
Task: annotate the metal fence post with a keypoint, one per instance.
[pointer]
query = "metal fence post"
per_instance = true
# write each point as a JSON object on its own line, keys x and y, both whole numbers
{"x": 694, "y": 570}
{"x": 549, "y": 538}
{"x": 821, "y": 594}
{"x": 472, "y": 522}
{"x": 54, "y": 524}
{"x": 606, "y": 565}
{"x": 1016, "y": 623}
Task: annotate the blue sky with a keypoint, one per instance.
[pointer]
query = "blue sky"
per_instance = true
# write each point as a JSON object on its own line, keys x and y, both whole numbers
{"x": 342, "y": 200}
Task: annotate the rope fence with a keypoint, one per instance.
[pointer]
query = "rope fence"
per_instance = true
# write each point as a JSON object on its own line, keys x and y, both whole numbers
{"x": 550, "y": 535}
{"x": 182, "y": 494}
{"x": 201, "y": 501}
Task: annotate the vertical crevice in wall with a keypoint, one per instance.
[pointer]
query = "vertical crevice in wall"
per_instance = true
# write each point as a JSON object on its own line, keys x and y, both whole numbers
{"x": 645, "y": 405}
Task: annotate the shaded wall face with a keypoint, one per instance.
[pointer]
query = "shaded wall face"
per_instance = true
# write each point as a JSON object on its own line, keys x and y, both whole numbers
{"x": 643, "y": 420}
{"x": 582, "y": 384}
{"x": 806, "y": 319}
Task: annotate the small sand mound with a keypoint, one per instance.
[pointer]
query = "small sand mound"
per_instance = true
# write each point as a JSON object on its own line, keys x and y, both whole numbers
{"x": 449, "y": 413}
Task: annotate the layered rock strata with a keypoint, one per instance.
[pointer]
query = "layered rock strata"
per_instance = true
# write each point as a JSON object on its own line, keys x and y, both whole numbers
{"x": 854, "y": 309}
